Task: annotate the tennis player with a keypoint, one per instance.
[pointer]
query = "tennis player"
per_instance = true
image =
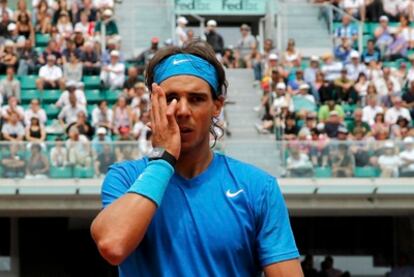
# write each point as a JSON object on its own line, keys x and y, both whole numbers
{"x": 185, "y": 210}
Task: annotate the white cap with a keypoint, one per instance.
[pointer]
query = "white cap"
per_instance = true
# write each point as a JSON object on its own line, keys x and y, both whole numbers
{"x": 182, "y": 20}
{"x": 281, "y": 86}
{"x": 389, "y": 144}
{"x": 320, "y": 126}
{"x": 354, "y": 54}
{"x": 101, "y": 131}
{"x": 212, "y": 23}
{"x": 273, "y": 57}
{"x": 383, "y": 18}
{"x": 11, "y": 27}
{"x": 409, "y": 140}
{"x": 115, "y": 53}
{"x": 8, "y": 43}
{"x": 304, "y": 86}
{"x": 108, "y": 12}
{"x": 314, "y": 58}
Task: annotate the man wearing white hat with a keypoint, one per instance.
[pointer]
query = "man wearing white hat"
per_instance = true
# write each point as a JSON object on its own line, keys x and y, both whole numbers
{"x": 214, "y": 39}
{"x": 407, "y": 158}
{"x": 180, "y": 32}
{"x": 107, "y": 25}
{"x": 49, "y": 74}
{"x": 112, "y": 75}
{"x": 309, "y": 74}
{"x": 355, "y": 67}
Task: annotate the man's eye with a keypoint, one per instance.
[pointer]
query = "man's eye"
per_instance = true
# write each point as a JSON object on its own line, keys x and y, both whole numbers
{"x": 171, "y": 98}
{"x": 197, "y": 99}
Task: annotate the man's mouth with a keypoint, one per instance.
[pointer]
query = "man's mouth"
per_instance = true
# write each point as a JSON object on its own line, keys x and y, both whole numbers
{"x": 185, "y": 130}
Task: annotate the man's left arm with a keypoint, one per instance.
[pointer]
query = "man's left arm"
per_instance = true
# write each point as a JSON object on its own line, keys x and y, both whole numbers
{"x": 289, "y": 268}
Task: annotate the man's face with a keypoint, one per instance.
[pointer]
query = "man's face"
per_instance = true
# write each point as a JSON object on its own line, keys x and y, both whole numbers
{"x": 346, "y": 20}
{"x": 358, "y": 116}
{"x": 194, "y": 111}
{"x": 132, "y": 72}
{"x": 114, "y": 59}
{"x": 35, "y": 105}
{"x": 50, "y": 61}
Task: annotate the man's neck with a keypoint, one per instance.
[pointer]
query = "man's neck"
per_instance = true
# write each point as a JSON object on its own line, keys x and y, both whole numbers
{"x": 193, "y": 163}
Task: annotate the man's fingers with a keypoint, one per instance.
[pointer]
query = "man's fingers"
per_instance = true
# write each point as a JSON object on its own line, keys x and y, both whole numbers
{"x": 155, "y": 104}
{"x": 171, "y": 111}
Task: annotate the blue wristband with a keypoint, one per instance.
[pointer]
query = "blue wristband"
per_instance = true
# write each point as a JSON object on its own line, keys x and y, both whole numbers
{"x": 153, "y": 181}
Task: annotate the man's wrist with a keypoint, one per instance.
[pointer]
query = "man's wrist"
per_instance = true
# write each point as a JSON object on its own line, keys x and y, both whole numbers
{"x": 160, "y": 153}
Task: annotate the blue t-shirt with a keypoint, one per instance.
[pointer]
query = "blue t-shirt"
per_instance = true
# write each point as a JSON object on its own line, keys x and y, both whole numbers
{"x": 231, "y": 220}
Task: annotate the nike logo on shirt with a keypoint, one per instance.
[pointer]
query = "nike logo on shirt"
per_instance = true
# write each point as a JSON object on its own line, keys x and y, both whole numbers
{"x": 233, "y": 194}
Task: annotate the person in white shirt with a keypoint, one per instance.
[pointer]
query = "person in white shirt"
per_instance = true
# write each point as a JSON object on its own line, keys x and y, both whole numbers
{"x": 113, "y": 75}
{"x": 35, "y": 111}
{"x": 381, "y": 83}
{"x": 392, "y": 114}
{"x": 49, "y": 75}
{"x": 71, "y": 88}
{"x": 281, "y": 100}
{"x": 407, "y": 158}
{"x": 12, "y": 107}
{"x": 389, "y": 161}
{"x": 369, "y": 111}
{"x": 355, "y": 67}
{"x": 331, "y": 68}
{"x": 70, "y": 112}
{"x": 304, "y": 93}
{"x": 356, "y": 8}
{"x": 180, "y": 33}
{"x": 102, "y": 116}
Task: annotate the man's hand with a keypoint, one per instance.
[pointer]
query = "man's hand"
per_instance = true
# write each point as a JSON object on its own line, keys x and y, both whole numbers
{"x": 165, "y": 130}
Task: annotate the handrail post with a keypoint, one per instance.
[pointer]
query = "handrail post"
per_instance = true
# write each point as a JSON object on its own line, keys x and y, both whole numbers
{"x": 360, "y": 31}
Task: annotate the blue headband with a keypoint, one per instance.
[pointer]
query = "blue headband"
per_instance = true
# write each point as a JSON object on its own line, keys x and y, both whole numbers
{"x": 187, "y": 64}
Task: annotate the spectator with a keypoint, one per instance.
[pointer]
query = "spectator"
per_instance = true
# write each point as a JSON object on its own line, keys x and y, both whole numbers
{"x": 389, "y": 161}
{"x": 14, "y": 163}
{"x": 90, "y": 59}
{"x": 83, "y": 26}
{"x": 355, "y": 8}
{"x": 400, "y": 129}
{"x": 102, "y": 116}
{"x": 331, "y": 68}
{"x": 180, "y": 33}
{"x": 4, "y": 9}
{"x": 108, "y": 24}
{"x": 380, "y": 129}
{"x": 105, "y": 159}
{"x": 311, "y": 71}
{"x": 72, "y": 71}
{"x": 69, "y": 50}
{"x": 214, "y": 39}
{"x": 58, "y": 154}
{"x": 35, "y": 132}
{"x": 13, "y": 32}
{"x": 307, "y": 267}
{"x": 355, "y": 67}
{"x": 272, "y": 64}
{"x": 112, "y": 75}
{"x": 310, "y": 124}
{"x": 325, "y": 89}
{"x": 131, "y": 81}
{"x": 298, "y": 164}
{"x": 49, "y": 75}
{"x": 229, "y": 60}
{"x": 89, "y": 10}
{"x": 8, "y": 58}
{"x": 79, "y": 38}
{"x": 122, "y": 118}
{"x": 383, "y": 35}
{"x": 146, "y": 56}
{"x": 69, "y": 112}
{"x": 325, "y": 111}
{"x": 99, "y": 140}
{"x": 397, "y": 49}
{"x": 342, "y": 164}
{"x": 71, "y": 88}
{"x": 347, "y": 29}
{"x": 407, "y": 158}
{"x": 79, "y": 150}
{"x": 391, "y": 9}
{"x": 82, "y": 125}
{"x": 140, "y": 127}
{"x": 13, "y": 129}
{"x": 21, "y": 8}
{"x": 332, "y": 124}
{"x": 38, "y": 164}
{"x": 24, "y": 27}
{"x": 371, "y": 53}
{"x": 330, "y": 270}
{"x": 291, "y": 54}
{"x": 35, "y": 111}
{"x": 245, "y": 46}
{"x": 111, "y": 45}
{"x": 10, "y": 86}
{"x": 405, "y": 30}
{"x": 387, "y": 84}
{"x": 408, "y": 98}
{"x": 361, "y": 88}
{"x": 291, "y": 130}
{"x": 51, "y": 49}
{"x": 27, "y": 57}
{"x": 43, "y": 19}
{"x": 64, "y": 25}
{"x": 4, "y": 24}
{"x": 12, "y": 107}
{"x": 343, "y": 50}
{"x": 392, "y": 114}
{"x": 345, "y": 89}
{"x": 295, "y": 82}
{"x": 358, "y": 123}
{"x": 305, "y": 97}
{"x": 103, "y": 4}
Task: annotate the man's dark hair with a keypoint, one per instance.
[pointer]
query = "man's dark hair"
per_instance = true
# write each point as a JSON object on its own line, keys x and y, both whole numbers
{"x": 202, "y": 50}
{"x": 197, "y": 48}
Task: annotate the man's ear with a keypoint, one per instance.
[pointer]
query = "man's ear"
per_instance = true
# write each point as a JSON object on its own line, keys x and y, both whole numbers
{"x": 218, "y": 106}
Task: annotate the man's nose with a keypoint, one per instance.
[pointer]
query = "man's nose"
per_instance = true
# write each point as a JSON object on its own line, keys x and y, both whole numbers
{"x": 183, "y": 107}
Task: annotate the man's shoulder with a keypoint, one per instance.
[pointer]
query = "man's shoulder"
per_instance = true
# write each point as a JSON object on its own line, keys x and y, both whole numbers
{"x": 132, "y": 168}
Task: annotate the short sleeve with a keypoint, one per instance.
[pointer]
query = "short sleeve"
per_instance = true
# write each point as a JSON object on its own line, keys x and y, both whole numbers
{"x": 115, "y": 184}
{"x": 274, "y": 238}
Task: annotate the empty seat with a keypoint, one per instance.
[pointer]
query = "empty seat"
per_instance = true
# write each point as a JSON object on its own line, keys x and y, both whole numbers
{"x": 323, "y": 172}
{"x": 27, "y": 95}
{"x": 94, "y": 96}
{"x": 28, "y": 81}
{"x": 42, "y": 39}
{"x": 112, "y": 95}
{"x": 51, "y": 110}
{"x": 61, "y": 172}
{"x": 83, "y": 172}
{"x": 91, "y": 82}
{"x": 366, "y": 172}
{"x": 51, "y": 96}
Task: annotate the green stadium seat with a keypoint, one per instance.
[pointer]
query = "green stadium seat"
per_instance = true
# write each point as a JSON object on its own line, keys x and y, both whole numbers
{"x": 94, "y": 95}
{"x": 112, "y": 96}
{"x": 90, "y": 109}
{"x": 61, "y": 172}
{"x": 91, "y": 82}
{"x": 302, "y": 104}
{"x": 42, "y": 39}
{"x": 366, "y": 172}
{"x": 323, "y": 172}
{"x": 27, "y": 95}
{"x": 52, "y": 137}
{"x": 83, "y": 172}
{"x": 51, "y": 110}
{"x": 40, "y": 49}
{"x": 2, "y": 77}
{"x": 28, "y": 81}
{"x": 51, "y": 96}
